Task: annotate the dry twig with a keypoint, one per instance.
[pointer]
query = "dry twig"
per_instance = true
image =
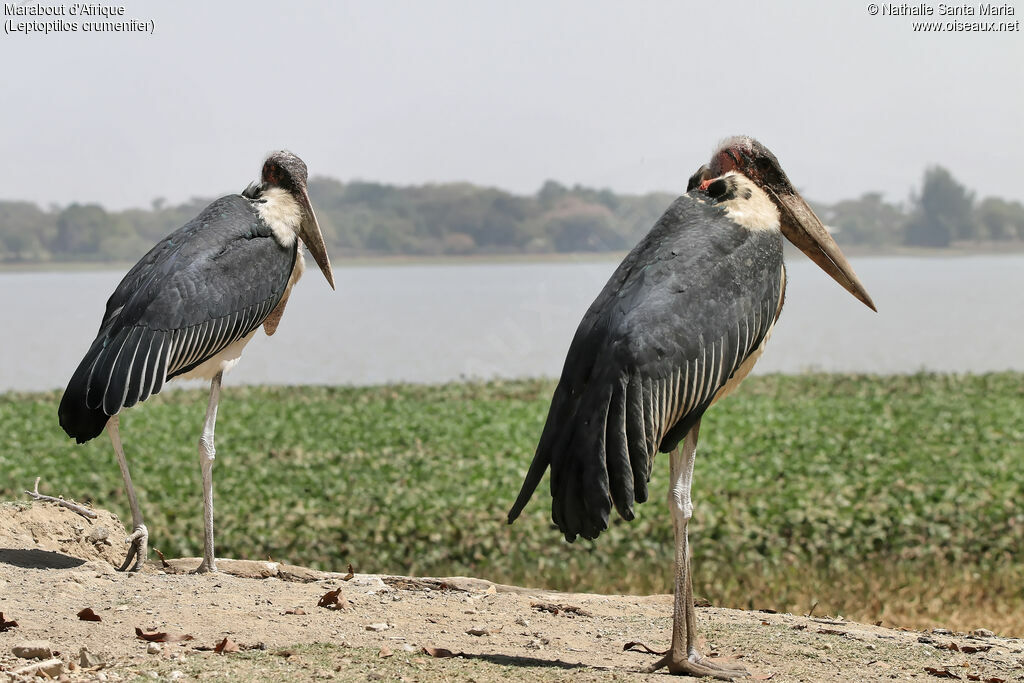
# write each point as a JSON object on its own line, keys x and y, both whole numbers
{"x": 74, "y": 507}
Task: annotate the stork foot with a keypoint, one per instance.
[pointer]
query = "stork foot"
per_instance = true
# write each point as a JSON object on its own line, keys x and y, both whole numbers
{"x": 699, "y": 666}
{"x": 205, "y": 568}
{"x": 139, "y": 550}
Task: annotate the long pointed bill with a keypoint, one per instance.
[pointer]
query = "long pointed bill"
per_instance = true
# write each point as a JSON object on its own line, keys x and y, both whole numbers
{"x": 309, "y": 232}
{"x": 804, "y": 229}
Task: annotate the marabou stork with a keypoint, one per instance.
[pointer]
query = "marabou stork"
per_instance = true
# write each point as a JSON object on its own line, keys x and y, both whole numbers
{"x": 679, "y": 324}
{"x": 188, "y": 308}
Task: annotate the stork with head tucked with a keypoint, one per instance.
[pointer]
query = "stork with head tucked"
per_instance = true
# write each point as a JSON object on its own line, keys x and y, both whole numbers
{"x": 680, "y": 323}
{"x": 188, "y": 308}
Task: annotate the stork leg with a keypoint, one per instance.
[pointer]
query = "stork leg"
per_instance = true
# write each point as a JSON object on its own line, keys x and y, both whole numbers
{"x": 139, "y": 538}
{"x": 207, "y": 452}
{"x": 683, "y": 657}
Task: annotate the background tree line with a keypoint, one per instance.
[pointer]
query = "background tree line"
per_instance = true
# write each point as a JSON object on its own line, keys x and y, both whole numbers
{"x": 364, "y": 218}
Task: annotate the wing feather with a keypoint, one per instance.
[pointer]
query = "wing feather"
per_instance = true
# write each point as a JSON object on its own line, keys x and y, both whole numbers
{"x": 648, "y": 358}
{"x": 203, "y": 287}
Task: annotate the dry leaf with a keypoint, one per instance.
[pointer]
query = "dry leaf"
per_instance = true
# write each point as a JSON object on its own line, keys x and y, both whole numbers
{"x": 225, "y": 646}
{"x": 285, "y": 653}
{"x": 640, "y": 647}
{"x": 163, "y": 560}
{"x": 439, "y": 652}
{"x": 762, "y": 677}
{"x": 484, "y": 631}
{"x": 560, "y": 609}
{"x": 88, "y": 615}
{"x": 297, "y": 610}
{"x": 798, "y": 627}
{"x": 971, "y": 649}
{"x": 333, "y": 600}
{"x": 831, "y": 632}
{"x": 158, "y": 637}
{"x": 973, "y": 677}
{"x": 385, "y": 652}
{"x": 941, "y": 673}
{"x": 765, "y": 623}
{"x": 6, "y": 625}
{"x": 995, "y": 679}
{"x": 351, "y": 574}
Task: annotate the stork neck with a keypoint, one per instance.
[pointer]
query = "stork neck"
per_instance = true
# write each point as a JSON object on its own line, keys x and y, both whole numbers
{"x": 279, "y": 209}
{"x": 749, "y": 205}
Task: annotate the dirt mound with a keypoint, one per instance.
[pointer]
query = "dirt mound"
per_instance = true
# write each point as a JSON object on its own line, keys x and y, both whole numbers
{"x": 303, "y": 625}
{"x": 46, "y": 535}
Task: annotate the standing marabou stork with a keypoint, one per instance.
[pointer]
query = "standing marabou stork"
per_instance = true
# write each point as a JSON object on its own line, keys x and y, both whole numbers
{"x": 188, "y": 308}
{"x": 680, "y": 323}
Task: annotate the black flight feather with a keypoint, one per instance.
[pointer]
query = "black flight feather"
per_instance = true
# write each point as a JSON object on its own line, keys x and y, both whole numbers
{"x": 223, "y": 268}
{"x": 666, "y": 323}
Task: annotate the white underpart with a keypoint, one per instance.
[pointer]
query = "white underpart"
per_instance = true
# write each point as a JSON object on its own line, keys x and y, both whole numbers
{"x": 756, "y": 213}
{"x": 282, "y": 213}
{"x": 222, "y": 362}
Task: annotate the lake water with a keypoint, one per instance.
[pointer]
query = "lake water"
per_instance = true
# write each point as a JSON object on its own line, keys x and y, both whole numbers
{"x": 436, "y": 323}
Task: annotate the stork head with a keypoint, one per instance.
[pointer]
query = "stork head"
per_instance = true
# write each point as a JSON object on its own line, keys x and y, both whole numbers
{"x": 747, "y": 156}
{"x": 288, "y": 172}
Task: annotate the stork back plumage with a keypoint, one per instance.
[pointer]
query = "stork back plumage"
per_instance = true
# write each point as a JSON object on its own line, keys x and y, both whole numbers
{"x": 202, "y": 288}
{"x": 693, "y": 300}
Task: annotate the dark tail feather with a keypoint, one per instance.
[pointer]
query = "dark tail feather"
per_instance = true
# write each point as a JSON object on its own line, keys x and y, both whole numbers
{"x": 581, "y": 502}
{"x": 557, "y": 414}
{"x": 78, "y": 420}
{"x": 641, "y": 450}
{"x": 620, "y": 469}
{"x": 533, "y": 477}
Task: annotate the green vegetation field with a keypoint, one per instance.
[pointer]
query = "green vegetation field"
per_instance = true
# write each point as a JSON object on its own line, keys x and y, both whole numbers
{"x": 893, "y": 498}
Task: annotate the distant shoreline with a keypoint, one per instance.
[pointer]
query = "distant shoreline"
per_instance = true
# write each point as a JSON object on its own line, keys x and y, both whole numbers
{"x": 853, "y": 251}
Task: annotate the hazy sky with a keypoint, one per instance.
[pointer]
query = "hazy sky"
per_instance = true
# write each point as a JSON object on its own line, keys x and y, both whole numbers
{"x": 621, "y": 94}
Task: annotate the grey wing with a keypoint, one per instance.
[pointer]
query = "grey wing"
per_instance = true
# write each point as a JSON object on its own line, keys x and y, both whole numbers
{"x": 673, "y": 325}
{"x": 203, "y": 288}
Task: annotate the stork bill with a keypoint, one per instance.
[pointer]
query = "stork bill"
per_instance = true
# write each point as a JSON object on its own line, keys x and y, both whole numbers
{"x": 679, "y": 324}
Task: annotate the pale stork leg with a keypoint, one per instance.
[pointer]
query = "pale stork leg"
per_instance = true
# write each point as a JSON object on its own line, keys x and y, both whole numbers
{"x": 139, "y": 538}
{"x": 207, "y": 452}
{"x": 683, "y": 657}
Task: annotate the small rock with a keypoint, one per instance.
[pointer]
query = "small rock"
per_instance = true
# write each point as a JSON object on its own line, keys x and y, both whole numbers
{"x": 87, "y": 659}
{"x": 524, "y": 623}
{"x": 479, "y": 631}
{"x": 33, "y": 649}
{"x": 50, "y": 667}
{"x": 377, "y": 627}
{"x": 982, "y": 633}
{"x": 99, "y": 534}
{"x": 153, "y": 648}
{"x": 409, "y": 648}
{"x": 176, "y": 675}
{"x": 942, "y": 631}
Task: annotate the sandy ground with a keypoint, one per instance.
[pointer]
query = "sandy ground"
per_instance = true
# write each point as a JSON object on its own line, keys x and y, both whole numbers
{"x": 55, "y": 563}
